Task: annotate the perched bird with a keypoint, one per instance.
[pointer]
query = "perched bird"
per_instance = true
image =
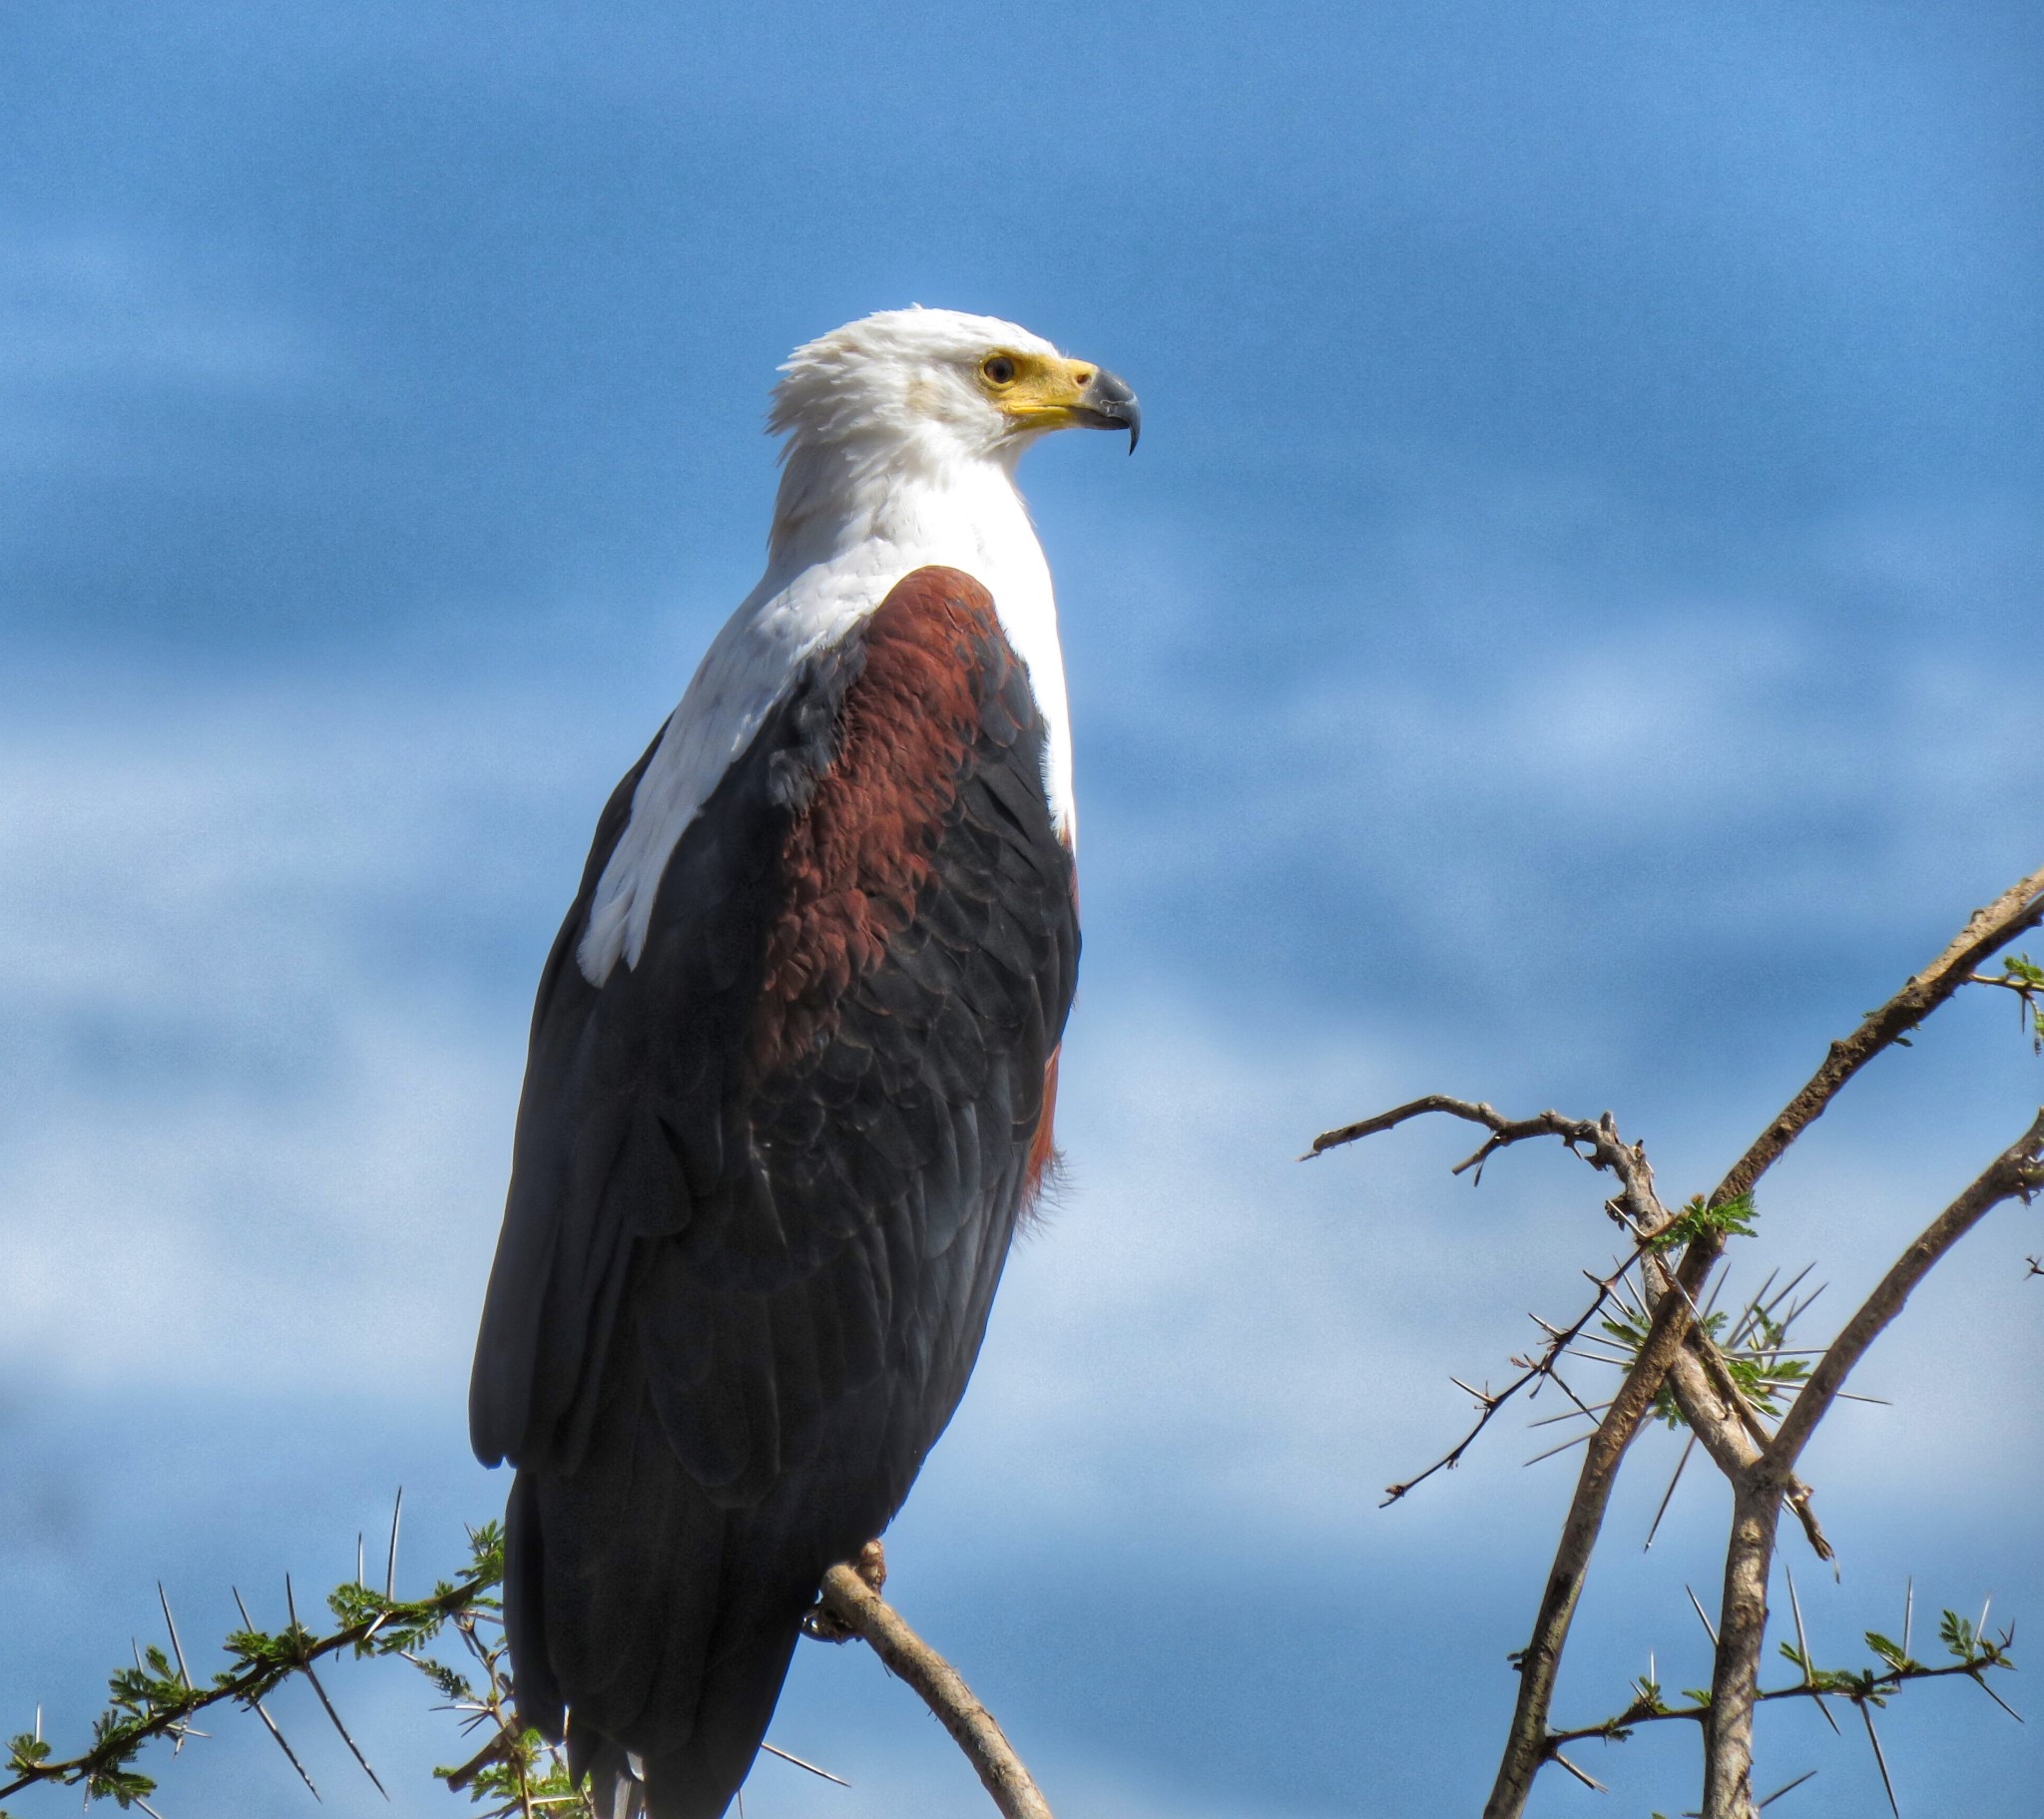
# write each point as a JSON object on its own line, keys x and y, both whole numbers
{"x": 792, "y": 1065}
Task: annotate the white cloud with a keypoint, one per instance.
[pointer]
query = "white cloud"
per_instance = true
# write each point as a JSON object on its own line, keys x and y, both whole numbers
{"x": 1522, "y": 730}
{"x": 249, "y": 1113}
{"x": 243, "y": 1116}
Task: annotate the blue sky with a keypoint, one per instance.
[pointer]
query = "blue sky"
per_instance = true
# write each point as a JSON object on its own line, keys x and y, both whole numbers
{"x": 1569, "y": 637}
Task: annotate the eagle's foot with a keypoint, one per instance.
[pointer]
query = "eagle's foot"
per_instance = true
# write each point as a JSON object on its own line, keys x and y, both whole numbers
{"x": 870, "y": 1563}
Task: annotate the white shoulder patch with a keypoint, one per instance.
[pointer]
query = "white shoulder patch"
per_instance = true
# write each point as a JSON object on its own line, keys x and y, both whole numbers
{"x": 741, "y": 676}
{"x": 974, "y": 521}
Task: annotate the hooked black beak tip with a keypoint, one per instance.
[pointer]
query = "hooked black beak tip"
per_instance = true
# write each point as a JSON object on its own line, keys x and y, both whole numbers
{"x": 1109, "y": 404}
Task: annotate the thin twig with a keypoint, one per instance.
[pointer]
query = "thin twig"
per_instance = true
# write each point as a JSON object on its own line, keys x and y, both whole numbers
{"x": 1668, "y": 1496}
{"x": 1880, "y": 1760}
{"x": 1871, "y": 1688}
{"x": 774, "y": 1749}
{"x": 1532, "y": 1371}
{"x": 390, "y": 1564}
{"x": 1789, "y": 1787}
{"x": 1702, "y": 1617}
{"x": 1635, "y": 1205}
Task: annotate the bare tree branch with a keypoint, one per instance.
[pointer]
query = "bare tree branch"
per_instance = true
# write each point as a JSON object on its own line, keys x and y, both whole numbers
{"x": 1540, "y": 1662}
{"x": 1635, "y": 1205}
{"x": 2017, "y": 909}
{"x": 2017, "y": 1173}
{"x": 1673, "y": 1350}
{"x": 1721, "y": 1417}
{"x": 1711, "y": 1400}
{"x": 855, "y": 1605}
{"x": 1987, "y": 930}
{"x": 1758, "y": 1489}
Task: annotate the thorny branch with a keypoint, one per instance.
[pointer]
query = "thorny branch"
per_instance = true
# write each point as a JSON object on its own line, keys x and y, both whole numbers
{"x": 1531, "y": 1370}
{"x": 2018, "y": 1172}
{"x": 156, "y": 1699}
{"x": 515, "y": 1770}
{"x": 1977, "y": 1654}
{"x": 1711, "y": 1401}
{"x": 1674, "y": 1354}
{"x": 1715, "y": 1407}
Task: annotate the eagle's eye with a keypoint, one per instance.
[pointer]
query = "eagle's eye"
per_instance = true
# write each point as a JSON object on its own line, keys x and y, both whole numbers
{"x": 998, "y": 368}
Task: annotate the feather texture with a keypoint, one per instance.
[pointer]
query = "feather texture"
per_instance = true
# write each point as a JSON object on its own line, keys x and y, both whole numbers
{"x": 765, "y": 1183}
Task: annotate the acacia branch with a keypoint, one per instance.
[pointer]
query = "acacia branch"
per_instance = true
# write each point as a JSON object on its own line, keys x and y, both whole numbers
{"x": 1720, "y": 1414}
{"x": 1636, "y": 1205}
{"x": 162, "y": 1706}
{"x": 1987, "y": 931}
{"x": 2017, "y": 909}
{"x": 1673, "y": 1350}
{"x": 1540, "y": 1662}
{"x": 1718, "y": 1411}
{"x": 855, "y": 1605}
{"x": 513, "y": 1767}
{"x": 1532, "y": 1369}
{"x": 1711, "y": 1400}
{"x": 2017, "y": 1173}
{"x": 1648, "y": 1709}
{"x": 528, "y": 1780}
{"x": 1741, "y": 1626}
{"x": 1719, "y": 1422}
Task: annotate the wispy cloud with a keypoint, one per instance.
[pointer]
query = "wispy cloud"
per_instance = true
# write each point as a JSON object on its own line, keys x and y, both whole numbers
{"x": 272, "y": 958}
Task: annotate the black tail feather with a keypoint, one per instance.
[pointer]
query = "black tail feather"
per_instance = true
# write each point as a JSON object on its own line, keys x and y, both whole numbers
{"x": 538, "y": 1694}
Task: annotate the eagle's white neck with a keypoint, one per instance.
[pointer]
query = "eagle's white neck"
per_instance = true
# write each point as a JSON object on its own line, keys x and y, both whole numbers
{"x": 872, "y": 513}
{"x": 853, "y": 518}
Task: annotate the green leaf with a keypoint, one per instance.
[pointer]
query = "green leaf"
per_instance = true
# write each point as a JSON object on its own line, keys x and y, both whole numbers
{"x": 1732, "y": 1218}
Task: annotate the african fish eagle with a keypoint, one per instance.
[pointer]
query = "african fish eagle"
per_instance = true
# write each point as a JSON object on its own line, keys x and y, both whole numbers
{"x": 792, "y": 1065}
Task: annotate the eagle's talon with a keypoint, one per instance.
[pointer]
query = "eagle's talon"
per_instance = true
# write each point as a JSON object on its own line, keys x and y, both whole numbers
{"x": 824, "y": 1625}
{"x": 870, "y": 1563}
{"x": 821, "y": 1627}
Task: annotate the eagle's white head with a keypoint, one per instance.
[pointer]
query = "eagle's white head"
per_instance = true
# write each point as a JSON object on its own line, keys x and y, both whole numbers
{"x": 935, "y": 385}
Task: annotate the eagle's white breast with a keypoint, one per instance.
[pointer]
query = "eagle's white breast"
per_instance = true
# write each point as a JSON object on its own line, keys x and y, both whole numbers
{"x": 972, "y": 520}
